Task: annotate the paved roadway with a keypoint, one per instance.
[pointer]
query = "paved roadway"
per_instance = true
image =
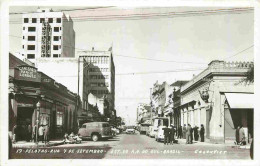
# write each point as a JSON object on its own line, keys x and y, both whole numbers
{"x": 133, "y": 146}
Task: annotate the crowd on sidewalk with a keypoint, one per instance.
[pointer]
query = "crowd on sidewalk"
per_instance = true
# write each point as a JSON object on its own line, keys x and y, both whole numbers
{"x": 184, "y": 132}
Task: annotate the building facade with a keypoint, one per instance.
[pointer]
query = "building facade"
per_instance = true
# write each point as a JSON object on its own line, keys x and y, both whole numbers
{"x": 101, "y": 77}
{"x": 36, "y": 97}
{"x": 47, "y": 34}
{"x": 143, "y": 113}
{"x": 159, "y": 98}
{"x": 218, "y": 99}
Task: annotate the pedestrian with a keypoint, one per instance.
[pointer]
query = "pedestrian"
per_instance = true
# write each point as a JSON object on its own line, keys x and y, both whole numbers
{"x": 191, "y": 134}
{"x": 180, "y": 132}
{"x": 184, "y": 131}
{"x": 202, "y": 132}
{"x": 242, "y": 138}
{"x": 237, "y": 135}
{"x": 196, "y": 135}
{"x": 46, "y": 134}
{"x": 41, "y": 132}
{"x": 188, "y": 134}
{"x": 172, "y": 133}
{"x": 166, "y": 135}
{"x": 29, "y": 133}
{"x": 14, "y": 134}
{"x": 34, "y": 133}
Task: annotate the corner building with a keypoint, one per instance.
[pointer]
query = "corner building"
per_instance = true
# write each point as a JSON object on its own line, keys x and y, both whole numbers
{"x": 218, "y": 99}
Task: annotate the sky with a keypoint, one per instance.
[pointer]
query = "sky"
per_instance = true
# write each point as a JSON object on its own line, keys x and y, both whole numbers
{"x": 192, "y": 42}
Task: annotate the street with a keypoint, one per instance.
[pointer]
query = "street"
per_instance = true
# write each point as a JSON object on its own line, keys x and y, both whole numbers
{"x": 132, "y": 146}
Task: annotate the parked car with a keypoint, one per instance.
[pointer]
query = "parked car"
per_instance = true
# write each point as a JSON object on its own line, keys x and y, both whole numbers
{"x": 95, "y": 131}
{"x": 115, "y": 131}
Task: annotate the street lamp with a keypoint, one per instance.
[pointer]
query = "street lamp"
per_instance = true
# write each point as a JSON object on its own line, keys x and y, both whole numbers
{"x": 38, "y": 105}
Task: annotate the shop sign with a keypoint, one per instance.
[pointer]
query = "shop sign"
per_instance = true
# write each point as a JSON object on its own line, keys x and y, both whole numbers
{"x": 27, "y": 72}
{"x": 24, "y": 105}
{"x": 45, "y": 111}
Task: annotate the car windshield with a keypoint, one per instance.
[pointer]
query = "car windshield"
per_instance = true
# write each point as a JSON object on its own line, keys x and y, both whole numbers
{"x": 105, "y": 125}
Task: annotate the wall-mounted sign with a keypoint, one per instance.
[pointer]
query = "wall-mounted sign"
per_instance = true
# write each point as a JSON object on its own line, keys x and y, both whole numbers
{"x": 27, "y": 71}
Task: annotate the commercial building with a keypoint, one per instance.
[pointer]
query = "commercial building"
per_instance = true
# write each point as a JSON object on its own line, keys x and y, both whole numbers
{"x": 159, "y": 98}
{"x": 36, "y": 97}
{"x": 47, "y": 34}
{"x": 101, "y": 78}
{"x": 219, "y": 99}
{"x": 143, "y": 113}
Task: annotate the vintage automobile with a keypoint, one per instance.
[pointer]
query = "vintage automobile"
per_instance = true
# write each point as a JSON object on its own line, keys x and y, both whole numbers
{"x": 95, "y": 131}
{"x": 130, "y": 130}
{"x": 159, "y": 136}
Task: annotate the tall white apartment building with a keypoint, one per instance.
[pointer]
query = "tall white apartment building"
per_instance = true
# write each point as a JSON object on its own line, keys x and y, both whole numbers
{"x": 47, "y": 34}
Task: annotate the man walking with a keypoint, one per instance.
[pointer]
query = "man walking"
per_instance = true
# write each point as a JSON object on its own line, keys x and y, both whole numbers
{"x": 46, "y": 134}
{"x": 41, "y": 130}
{"x": 188, "y": 134}
{"x": 202, "y": 132}
{"x": 191, "y": 134}
{"x": 29, "y": 132}
{"x": 180, "y": 132}
{"x": 196, "y": 135}
{"x": 172, "y": 140}
{"x": 184, "y": 131}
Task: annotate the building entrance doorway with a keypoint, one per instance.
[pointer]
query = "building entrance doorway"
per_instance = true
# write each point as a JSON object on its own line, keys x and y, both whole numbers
{"x": 24, "y": 118}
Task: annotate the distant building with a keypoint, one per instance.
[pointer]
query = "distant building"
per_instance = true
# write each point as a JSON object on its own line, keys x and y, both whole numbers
{"x": 143, "y": 113}
{"x": 47, "y": 34}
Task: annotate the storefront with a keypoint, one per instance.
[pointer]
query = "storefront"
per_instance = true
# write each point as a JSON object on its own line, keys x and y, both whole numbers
{"x": 217, "y": 99}
{"x": 35, "y": 96}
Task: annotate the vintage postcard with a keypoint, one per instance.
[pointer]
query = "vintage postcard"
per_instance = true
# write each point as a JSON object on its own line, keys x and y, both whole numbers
{"x": 118, "y": 81}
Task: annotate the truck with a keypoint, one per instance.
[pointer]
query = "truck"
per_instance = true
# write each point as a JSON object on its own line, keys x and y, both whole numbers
{"x": 158, "y": 124}
{"x": 144, "y": 128}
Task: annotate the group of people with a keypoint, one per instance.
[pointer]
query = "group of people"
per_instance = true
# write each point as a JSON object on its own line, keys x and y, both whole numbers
{"x": 169, "y": 135}
{"x": 72, "y": 138}
{"x": 189, "y": 133}
{"x": 30, "y": 133}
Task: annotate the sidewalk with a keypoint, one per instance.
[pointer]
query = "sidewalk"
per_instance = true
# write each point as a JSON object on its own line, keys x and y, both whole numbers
{"x": 24, "y": 144}
{"x": 207, "y": 143}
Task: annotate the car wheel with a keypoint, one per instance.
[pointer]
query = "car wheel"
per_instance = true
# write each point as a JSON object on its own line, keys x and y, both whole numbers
{"x": 95, "y": 137}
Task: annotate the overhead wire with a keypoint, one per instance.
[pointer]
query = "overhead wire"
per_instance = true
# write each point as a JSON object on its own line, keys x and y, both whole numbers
{"x": 156, "y": 15}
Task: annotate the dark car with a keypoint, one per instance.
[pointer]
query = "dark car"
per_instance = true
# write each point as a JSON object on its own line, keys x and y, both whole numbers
{"x": 95, "y": 130}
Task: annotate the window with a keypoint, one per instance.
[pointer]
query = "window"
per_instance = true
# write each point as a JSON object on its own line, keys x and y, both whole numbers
{"x": 31, "y": 47}
{"x": 84, "y": 126}
{"x": 23, "y": 46}
{"x": 55, "y": 47}
{"x": 23, "y": 37}
{"x": 43, "y": 10}
{"x": 50, "y": 20}
{"x": 56, "y": 29}
{"x": 31, "y": 29}
{"x": 26, "y": 20}
{"x": 60, "y": 28}
{"x": 23, "y": 28}
{"x": 55, "y": 38}
{"x": 55, "y": 55}
{"x": 34, "y": 20}
{"x": 59, "y": 118}
{"x": 30, "y": 56}
{"x": 31, "y": 38}
{"x": 58, "y": 20}
{"x": 42, "y": 20}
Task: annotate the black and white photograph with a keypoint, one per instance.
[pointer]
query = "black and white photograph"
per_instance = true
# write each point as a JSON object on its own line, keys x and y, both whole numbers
{"x": 130, "y": 82}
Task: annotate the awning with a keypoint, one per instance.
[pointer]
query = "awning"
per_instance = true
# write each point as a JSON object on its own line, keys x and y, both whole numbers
{"x": 240, "y": 100}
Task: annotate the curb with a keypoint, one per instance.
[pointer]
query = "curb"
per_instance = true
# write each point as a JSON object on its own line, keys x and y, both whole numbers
{"x": 35, "y": 146}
